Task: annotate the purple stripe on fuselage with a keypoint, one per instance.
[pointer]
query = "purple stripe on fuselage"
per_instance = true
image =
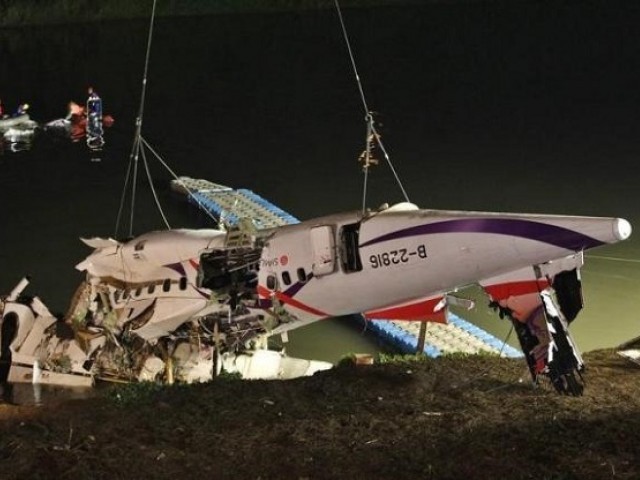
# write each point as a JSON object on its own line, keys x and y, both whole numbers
{"x": 177, "y": 267}
{"x": 542, "y": 232}
{"x": 293, "y": 289}
{"x": 289, "y": 292}
{"x": 296, "y": 287}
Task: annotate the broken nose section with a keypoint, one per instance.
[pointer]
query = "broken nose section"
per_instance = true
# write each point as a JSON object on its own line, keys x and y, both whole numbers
{"x": 621, "y": 229}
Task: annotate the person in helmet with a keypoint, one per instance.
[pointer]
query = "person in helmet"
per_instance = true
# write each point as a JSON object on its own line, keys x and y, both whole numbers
{"x": 22, "y": 109}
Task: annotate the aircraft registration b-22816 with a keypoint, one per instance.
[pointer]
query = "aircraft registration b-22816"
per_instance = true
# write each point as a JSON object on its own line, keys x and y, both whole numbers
{"x": 177, "y": 305}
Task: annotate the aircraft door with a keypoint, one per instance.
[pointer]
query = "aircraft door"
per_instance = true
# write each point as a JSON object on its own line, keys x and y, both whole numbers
{"x": 350, "y": 248}
{"x": 323, "y": 250}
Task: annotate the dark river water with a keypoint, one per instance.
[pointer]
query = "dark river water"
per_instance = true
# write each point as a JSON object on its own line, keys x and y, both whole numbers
{"x": 532, "y": 107}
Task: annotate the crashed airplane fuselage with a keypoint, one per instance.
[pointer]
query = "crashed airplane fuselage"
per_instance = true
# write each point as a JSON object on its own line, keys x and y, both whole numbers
{"x": 179, "y": 304}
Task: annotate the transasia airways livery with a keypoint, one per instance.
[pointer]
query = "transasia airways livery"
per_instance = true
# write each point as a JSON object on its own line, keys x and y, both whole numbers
{"x": 170, "y": 305}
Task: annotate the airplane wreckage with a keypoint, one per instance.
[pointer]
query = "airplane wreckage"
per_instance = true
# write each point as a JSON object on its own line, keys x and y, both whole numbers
{"x": 172, "y": 321}
{"x": 180, "y": 305}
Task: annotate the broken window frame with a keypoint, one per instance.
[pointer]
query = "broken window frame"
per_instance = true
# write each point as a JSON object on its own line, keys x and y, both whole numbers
{"x": 350, "y": 248}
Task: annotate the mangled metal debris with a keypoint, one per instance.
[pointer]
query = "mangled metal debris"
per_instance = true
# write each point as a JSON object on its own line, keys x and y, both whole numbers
{"x": 630, "y": 350}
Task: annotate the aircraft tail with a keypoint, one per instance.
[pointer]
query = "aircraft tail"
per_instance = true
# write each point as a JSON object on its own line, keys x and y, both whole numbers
{"x": 541, "y": 301}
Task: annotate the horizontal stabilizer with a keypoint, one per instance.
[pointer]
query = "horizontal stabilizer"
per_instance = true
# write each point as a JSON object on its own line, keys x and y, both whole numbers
{"x": 541, "y": 300}
{"x": 428, "y": 309}
{"x": 518, "y": 290}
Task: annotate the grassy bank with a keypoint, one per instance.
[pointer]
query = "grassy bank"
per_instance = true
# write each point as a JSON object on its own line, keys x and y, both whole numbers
{"x": 471, "y": 417}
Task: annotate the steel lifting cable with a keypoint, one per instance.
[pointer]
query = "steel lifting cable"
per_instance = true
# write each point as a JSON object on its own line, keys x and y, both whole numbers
{"x": 122, "y": 200}
{"x": 614, "y": 259}
{"x": 173, "y": 174}
{"x": 153, "y": 190}
{"x": 367, "y": 162}
{"x": 138, "y": 149}
{"x": 135, "y": 150}
{"x": 372, "y": 133}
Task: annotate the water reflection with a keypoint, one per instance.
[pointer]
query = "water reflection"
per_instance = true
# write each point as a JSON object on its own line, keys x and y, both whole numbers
{"x": 17, "y": 132}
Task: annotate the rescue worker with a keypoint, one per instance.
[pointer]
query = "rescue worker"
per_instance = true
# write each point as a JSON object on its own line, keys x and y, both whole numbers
{"x": 74, "y": 110}
{"x": 94, "y": 103}
{"x": 94, "y": 121}
{"x": 22, "y": 109}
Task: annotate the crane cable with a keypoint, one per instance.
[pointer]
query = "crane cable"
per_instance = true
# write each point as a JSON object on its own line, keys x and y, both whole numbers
{"x": 173, "y": 174}
{"x": 139, "y": 143}
{"x": 135, "y": 150}
{"x": 372, "y": 134}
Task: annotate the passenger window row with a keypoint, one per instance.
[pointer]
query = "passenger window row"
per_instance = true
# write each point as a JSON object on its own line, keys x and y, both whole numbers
{"x": 167, "y": 285}
{"x": 286, "y": 278}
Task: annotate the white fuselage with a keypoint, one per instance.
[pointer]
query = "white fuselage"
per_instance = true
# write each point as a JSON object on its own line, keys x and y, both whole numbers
{"x": 408, "y": 254}
{"x": 346, "y": 263}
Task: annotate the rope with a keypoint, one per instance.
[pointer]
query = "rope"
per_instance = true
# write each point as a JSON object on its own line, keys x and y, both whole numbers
{"x": 506, "y": 339}
{"x": 614, "y": 259}
{"x": 371, "y": 129}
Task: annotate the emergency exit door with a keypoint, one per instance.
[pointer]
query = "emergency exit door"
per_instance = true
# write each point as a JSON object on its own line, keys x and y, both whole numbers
{"x": 323, "y": 250}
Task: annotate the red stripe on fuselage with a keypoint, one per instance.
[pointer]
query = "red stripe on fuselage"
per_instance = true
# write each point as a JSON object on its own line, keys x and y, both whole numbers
{"x": 265, "y": 293}
{"x": 420, "y": 311}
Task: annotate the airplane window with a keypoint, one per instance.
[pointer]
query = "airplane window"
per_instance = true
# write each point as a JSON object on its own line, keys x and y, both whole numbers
{"x": 286, "y": 278}
{"x": 116, "y": 296}
{"x": 183, "y": 283}
{"x": 302, "y": 275}
{"x": 166, "y": 285}
{"x": 151, "y": 288}
{"x": 138, "y": 291}
{"x": 125, "y": 294}
{"x": 271, "y": 282}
